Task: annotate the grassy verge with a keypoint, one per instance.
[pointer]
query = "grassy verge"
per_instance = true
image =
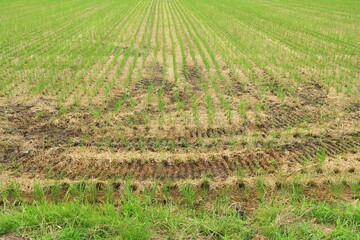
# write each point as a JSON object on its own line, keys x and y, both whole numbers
{"x": 191, "y": 215}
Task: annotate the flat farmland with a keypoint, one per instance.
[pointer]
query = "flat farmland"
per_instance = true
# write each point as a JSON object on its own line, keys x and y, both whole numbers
{"x": 202, "y": 93}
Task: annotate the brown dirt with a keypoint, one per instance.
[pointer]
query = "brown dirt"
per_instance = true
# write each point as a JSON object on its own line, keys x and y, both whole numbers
{"x": 43, "y": 143}
{"x": 12, "y": 237}
{"x": 284, "y": 115}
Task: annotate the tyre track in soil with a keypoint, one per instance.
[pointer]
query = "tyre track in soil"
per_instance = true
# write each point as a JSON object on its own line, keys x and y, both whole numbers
{"x": 288, "y": 116}
{"x": 62, "y": 135}
{"x": 49, "y": 139}
{"x": 25, "y": 123}
{"x": 220, "y": 165}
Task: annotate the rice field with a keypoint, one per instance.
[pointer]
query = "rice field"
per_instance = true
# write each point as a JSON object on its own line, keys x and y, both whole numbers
{"x": 188, "y": 92}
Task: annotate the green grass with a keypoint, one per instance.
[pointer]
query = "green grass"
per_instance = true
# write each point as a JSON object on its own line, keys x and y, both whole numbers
{"x": 309, "y": 220}
{"x": 82, "y": 214}
{"x": 133, "y": 220}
